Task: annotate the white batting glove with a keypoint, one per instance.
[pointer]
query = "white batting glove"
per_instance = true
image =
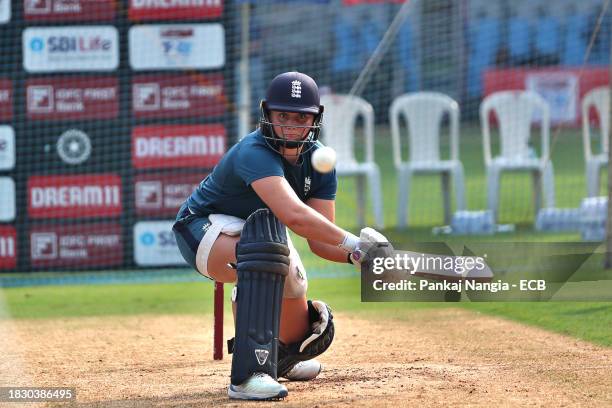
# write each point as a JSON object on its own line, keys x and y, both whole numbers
{"x": 368, "y": 237}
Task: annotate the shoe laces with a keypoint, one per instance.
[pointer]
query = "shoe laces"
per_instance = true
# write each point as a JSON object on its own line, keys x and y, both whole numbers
{"x": 260, "y": 375}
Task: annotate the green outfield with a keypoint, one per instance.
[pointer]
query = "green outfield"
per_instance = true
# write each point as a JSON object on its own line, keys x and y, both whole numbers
{"x": 585, "y": 320}
{"x": 516, "y": 190}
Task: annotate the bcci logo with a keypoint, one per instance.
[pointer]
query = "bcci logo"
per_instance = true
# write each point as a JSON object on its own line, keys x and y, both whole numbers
{"x": 306, "y": 185}
{"x": 296, "y": 89}
{"x": 74, "y": 146}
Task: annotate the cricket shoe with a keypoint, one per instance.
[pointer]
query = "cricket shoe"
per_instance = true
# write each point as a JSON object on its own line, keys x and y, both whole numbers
{"x": 259, "y": 386}
{"x": 304, "y": 371}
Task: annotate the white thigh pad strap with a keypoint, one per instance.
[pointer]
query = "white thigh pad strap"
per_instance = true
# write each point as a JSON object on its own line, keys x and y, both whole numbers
{"x": 219, "y": 224}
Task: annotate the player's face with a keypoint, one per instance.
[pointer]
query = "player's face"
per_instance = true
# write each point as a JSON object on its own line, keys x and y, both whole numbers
{"x": 283, "y": 122}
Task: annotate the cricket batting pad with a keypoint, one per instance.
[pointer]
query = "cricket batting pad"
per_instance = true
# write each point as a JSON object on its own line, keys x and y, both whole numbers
{"x": 262, "y": 265}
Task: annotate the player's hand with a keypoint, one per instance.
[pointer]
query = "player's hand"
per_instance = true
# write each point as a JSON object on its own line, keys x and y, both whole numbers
{"x": 369, "y": 238}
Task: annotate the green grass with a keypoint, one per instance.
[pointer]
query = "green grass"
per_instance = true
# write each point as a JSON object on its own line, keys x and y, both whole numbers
{"x": 585, "y": 320}
{"x": 426, "y": 207}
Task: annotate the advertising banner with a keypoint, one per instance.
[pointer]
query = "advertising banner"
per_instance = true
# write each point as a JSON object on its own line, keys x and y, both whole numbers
{"x": 74, "y": 196}
{"x": 72, "y": 98}
{"x": 7, "y": 203}
{"x": 7, "y": 148}
{"x": 562, "y": 87}
{"x": 69, "y": 10}
{"x": 6, "y": 99}
{"x": 161, "y": 194}
{"x": 141, "y": 10}
{"x": 82, "y": 245}
{"x": 70, "y": 48}
{"x": 178, "y": 96}
{"x": 176, "y": 146}
{"x": 177, "y": 46}
{"x": 155, "y": 245}
{"x": 8, "y": 247}
{"x": 5, "y": 11}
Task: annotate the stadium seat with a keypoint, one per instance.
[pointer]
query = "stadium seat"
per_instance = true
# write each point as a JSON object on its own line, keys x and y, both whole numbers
{"x": 547, "y": 36}
{"x": 484, "y": 43}
{"x": 598, "y": 98}
{"x": 423, "y": 113}
{"x": 407, "y": 51}
{"x": 339, "y": 125}
{"x": 575, "y": 45}
{"x": 514, "y": 111}
{"x": 518, "y": 39}
{"x": 346, "y": 51}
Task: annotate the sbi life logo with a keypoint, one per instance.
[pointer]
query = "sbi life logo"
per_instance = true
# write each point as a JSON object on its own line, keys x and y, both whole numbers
{"x": 162, "y": 239}
{"x": 37, "y": 44}
{"x": 147, "y": 238}
{"x": 64, "y": 44}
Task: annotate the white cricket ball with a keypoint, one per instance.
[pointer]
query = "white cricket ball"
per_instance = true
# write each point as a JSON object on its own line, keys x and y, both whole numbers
{"x": 324, "y": 159}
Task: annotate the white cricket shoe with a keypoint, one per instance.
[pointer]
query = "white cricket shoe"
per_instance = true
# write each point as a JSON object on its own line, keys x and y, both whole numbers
{"x": 259, "y": 386}
{"x": 304, "y": 371}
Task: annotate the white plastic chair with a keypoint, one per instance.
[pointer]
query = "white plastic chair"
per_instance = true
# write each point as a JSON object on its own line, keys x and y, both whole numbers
{"x": 599, "y": 98}
{"x": 514, "y": 111}
{"x": 339, "y": 123}
{"x": 423, "y": 113}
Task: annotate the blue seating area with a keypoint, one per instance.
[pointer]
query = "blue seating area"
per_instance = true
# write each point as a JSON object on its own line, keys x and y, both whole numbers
{"x": 509, "y": 35}
{"x": 547, "y": 38}
{"x": 408, "y": 58}
{"x": 484, "y": 42}
{"x": 345, "y": 57}
{"x": 575, "y": 41}
{"x": 518, "y": 38}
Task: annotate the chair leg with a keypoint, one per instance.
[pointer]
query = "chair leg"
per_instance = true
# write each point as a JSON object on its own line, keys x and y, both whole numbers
{"x": 592, "y": 174}
{"x": 376, "y": 196}
{"x": 361, "y": 200}
{"x": 548, "y": 185}
{"x": 493, "y": 181}
{"x": 536, "y": 177}
{"x": 446, "y": 197}
{"x": 458, "y": 179}
{"x": 403, "y": 188}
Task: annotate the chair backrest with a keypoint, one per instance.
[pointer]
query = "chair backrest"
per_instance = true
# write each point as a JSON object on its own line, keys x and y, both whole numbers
{"x": 340, "y": 116}
{"x": 423, "y": 113}
{"x": 599, "y": 98}
{"x": 515, "y": 112}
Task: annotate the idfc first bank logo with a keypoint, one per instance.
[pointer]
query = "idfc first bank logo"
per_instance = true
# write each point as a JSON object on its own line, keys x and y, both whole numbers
{"x": 84, "y": 48}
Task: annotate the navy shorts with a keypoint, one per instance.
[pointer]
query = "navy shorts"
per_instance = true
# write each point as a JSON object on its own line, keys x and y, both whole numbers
{"x": 189, "y": 229}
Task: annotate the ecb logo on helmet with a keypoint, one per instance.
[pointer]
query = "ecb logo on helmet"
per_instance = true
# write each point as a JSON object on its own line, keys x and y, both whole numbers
{"x": 296, "y": 89}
